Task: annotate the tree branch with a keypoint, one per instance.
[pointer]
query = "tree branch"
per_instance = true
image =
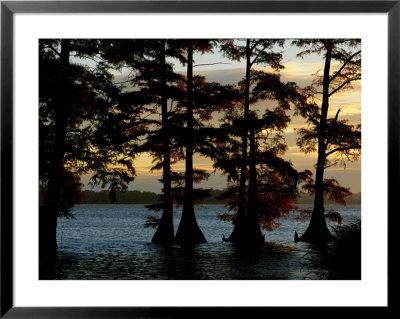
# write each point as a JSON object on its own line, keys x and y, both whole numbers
{"x": 255, "y": 44}
{"x": 337, "y": 115}
{"x": 330, "y": 165}
{"x": 210, "y": 64}
{"x": 343, "y": 84}
{"x": 342, "y": 67}
{"x": 54, "y": 50}
{"x": 257, "y": 56}
{"x": 341, "y": 149}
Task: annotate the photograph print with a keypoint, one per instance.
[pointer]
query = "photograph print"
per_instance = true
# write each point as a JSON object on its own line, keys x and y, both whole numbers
{"x": 199, "y": 159}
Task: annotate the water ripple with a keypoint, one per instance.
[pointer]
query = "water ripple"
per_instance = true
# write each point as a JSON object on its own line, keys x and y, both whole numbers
{"x": 109, "y": 242}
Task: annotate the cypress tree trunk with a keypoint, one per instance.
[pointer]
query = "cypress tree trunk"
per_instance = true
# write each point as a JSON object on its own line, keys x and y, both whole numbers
{"x": 189, "y": 232}
{"x": 165, "y": 230}
{"x": 254, "y": 234}
{"x": 239, "y": 229}
{"x": 48, "y": 216}
{"x": 318, "y": 230}
{"x": 50, "y": 210}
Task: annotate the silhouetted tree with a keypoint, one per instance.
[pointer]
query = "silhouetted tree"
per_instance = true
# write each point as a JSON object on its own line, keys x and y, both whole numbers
{"x": 189, "y": 232}
{"x": 273, "y": 181}
{"x": 192, "y": 101}
{"x": 255, "y": 87}
{"x": 80, "y": 131}
{"x": 165, "y": 231}
{"x": 155, "y": 84}
{"x": 330, "y": 137}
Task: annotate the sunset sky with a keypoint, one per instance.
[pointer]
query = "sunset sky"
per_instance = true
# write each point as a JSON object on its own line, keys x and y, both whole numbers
{"x": 299, "y": 70}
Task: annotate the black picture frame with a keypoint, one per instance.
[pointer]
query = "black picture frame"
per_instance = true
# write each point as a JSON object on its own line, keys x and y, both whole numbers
{"x": 9, "y": 8}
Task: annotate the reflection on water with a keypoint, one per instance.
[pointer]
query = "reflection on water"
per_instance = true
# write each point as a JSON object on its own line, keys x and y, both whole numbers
{"x": 107, "y": 242}
{"x": 207, "y": 261}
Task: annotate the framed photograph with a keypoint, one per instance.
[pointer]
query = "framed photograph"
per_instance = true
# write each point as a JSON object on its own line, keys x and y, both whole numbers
{"x": 168, "y": 159}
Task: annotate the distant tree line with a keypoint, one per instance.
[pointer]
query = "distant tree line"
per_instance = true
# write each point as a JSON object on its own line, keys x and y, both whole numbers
{"x": 139, "y": 197}
{"x": 127, "y": 197}
{"x": 304, "y": 198}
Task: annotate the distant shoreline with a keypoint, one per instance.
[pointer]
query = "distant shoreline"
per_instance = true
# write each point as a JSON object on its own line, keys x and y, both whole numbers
{"x": 146, "y": 198}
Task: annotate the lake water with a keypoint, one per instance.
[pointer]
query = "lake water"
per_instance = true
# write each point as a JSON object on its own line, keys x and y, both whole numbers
{"x": 109, "y": 242}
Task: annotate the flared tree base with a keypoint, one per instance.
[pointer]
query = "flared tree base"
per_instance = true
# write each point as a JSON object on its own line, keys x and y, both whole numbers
{"x": 164, "y": 234}
{"x": 162, "y": 238}
{"x": 246, "y": 233}
{"x": 189, "y": 233}
{"x": 317, "y": 232}
{"x": 187, "y": 238}
{"x": 245, "y": 239}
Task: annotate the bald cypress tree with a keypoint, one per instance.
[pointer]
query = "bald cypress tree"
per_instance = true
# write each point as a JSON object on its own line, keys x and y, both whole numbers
{"x": 189, "y": 232}
{"x": 334, "y": 140}
{"x": 165, "y": 230}
{"x": 154, "y": 80}
{"x": 75, "y": 103}
{"x": 253, "y": 88}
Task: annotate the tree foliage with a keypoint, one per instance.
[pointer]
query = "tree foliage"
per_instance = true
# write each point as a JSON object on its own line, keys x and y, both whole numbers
{"x": 80, "y": 129}
{"x": 262, "y": 184}
{"x": 335, "y": 141}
